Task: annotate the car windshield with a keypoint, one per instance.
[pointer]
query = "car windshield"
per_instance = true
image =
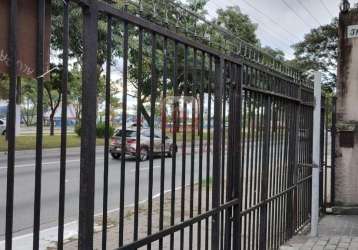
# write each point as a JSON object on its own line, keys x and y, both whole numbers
{"x": 129, "y": 133}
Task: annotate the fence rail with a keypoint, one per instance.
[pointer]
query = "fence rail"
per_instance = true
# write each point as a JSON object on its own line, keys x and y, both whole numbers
{"x": 240, "y": 172}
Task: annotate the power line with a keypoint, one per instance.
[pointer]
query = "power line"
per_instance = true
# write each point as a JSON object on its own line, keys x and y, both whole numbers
{"x": 309, "y": 12}
{"x": 268, "y": 31}
{"x": 296, "y": 14}
{"x": 325, "y": 6}
{"x": 272, "y": 20}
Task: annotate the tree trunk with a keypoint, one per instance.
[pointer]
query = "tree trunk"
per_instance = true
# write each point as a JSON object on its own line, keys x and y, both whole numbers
{"x": 52, "y": 125}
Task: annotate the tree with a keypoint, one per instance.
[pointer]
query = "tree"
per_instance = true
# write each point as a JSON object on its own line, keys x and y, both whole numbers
{"x": 319, "y": 52}
{"x": 53, "y": 89}
{"x": 238, "y": 24}
{"x": 4, "y": 87}
{"x": 29, "y": 97}
{"x": 276, "y": 53}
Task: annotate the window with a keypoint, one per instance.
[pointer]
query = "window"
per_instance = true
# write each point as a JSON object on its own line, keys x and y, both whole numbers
{"x": 129, "y": 133}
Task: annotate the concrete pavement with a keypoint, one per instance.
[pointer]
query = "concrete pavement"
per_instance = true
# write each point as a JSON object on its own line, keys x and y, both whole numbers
{"x": 335, "y": 232}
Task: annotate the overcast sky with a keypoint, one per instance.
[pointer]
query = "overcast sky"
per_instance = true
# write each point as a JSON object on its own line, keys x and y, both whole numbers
{"x": 278, "y": 25}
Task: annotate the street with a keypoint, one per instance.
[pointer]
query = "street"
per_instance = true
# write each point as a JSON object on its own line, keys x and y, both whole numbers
{"x": 25, "y": 179}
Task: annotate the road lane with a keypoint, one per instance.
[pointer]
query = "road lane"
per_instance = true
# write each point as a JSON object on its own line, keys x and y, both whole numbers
{"x": 24, "y": 187}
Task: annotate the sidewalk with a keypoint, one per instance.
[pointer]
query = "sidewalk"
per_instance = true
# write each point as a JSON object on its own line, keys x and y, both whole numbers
{"x": 336, "y": 232}
{"x": 71, "y": 242}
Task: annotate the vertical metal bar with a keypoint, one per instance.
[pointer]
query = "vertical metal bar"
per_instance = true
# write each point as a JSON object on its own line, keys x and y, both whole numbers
{"x": 64, "y": 90}
{"x": 326, "y": 166}
{"x": 237, "y": 170}
{"x": 333, "y": 150}
{"x": 124, "y": 134}
{"x": 201, "y": 128}
{"x": 247, "y": 168}
{"x": 88, "y": 138}
{"x": 321, "y": 155}
{"x": 192, "y": 154}
{"x": 265, "y": 172}
{"x": 223, "y": 141}
{"x": 153, "y": 94}
{"x": 286, "y": 170}
{"x": 261, "y": 162}
{"x": 39, "y": 122}
{"x": 11, "y": 120}
{"x": 257, "y": 163}
{"x": 271, "y": 169}
{"x": 182, "y": 202}
{"x": 219, "y": 83}
{"x": 138, "y": 125}
{"x": 208, "y": 146}
{"x": 175, "y": 126}
{"x": 242, "y": 160}
{"x": 163, "y": 148}
{"x": 251, "y": 165}
{"x": 106, "y": 131}
{"x": 230, "y": 166}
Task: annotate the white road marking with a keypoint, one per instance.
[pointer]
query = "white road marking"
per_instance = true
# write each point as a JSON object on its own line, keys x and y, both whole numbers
{"x": 146, "y": 168}
{"x": 47, "y": 163}
{"x": 48, "y": 237}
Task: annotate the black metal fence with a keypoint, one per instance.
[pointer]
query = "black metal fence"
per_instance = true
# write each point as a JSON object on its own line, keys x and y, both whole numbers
{"x": 241, "y": 180}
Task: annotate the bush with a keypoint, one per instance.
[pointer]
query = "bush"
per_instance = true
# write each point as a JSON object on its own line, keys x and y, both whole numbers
{"x": 100, "y": 130}
{"x": 78, "y": 129}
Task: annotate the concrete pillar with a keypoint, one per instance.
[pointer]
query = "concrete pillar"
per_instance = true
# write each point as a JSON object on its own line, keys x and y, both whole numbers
{"x": 346, "y": 183}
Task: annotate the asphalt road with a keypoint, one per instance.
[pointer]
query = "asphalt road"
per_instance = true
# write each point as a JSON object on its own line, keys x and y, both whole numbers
{"x": 25, "y": 179}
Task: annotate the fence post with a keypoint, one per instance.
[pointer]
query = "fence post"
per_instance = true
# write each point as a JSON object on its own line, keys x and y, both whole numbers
{"x": 219, "y": 71}
{"x": 88, "y": 138}
{"x": 321, "y": 155}
{"x": 333, "y": 150}
{"x": 316, "y": 155}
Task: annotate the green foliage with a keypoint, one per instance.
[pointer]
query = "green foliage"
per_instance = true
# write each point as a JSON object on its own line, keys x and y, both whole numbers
{"x": 319, "y": 52}
{"x": 276, "y": 53}
{"x": 4, "y": 87}
{"x": 78, "y": 129}
{"x": 100, "y": 130}
{"x": 238, "y": 24}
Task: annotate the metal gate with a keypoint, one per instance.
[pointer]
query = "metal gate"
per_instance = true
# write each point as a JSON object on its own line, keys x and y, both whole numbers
{"x": 240, "y": 174}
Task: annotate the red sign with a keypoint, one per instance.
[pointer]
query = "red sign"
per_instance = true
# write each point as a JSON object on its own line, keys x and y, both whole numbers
{"x": 26, "y": 37}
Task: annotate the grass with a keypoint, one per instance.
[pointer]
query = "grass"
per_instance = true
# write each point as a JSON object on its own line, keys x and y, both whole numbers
{"x": 29, "y": 142}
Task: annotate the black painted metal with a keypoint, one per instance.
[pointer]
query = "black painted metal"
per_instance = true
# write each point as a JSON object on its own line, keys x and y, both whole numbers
{"x": 107, "y": 134}
{"x": 333, "y": 149}
{"x": 249, "y": 128}
{"x": 11, "y": 119}
{"x": 88, "y": 129}
{"x": 64, "y": 89}
{"x": 39, "y": 121}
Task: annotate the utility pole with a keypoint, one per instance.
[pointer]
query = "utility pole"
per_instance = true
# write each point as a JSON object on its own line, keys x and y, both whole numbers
{"x": 316, "y": 155}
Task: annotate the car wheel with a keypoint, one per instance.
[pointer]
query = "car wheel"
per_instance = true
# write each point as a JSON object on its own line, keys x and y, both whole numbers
{"x": 116, "y": 155}
{"x": 143, "y": 154}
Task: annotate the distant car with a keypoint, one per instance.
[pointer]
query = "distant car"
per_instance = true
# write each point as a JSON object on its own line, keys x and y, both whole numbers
{"x": 2, "y": 127}
{"x": 131, "y": 144}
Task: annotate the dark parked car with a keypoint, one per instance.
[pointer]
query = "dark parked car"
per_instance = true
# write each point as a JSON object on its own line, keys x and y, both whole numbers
{"x": 131, "y": 144}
